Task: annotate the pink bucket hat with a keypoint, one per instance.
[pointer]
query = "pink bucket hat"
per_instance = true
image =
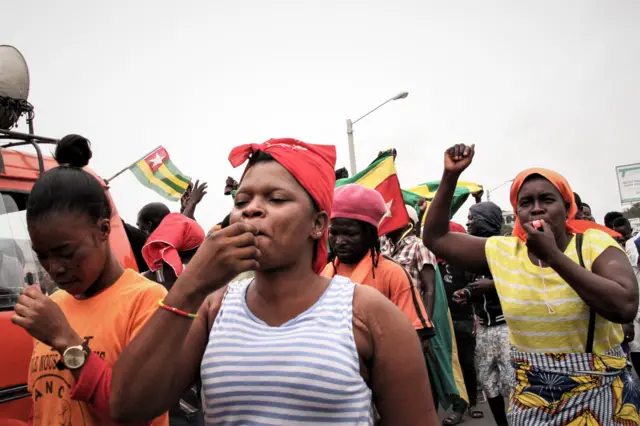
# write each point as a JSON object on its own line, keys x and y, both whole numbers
{"x": 360, "y": 203}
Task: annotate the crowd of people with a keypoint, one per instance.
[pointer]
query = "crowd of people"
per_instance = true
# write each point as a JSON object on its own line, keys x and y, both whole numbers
{"x": 295, "y": 310}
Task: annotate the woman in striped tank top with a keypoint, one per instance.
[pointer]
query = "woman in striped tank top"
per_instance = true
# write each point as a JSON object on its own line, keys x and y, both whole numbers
{"x": 285, "y": 347}
{"x": 565, "y": 287}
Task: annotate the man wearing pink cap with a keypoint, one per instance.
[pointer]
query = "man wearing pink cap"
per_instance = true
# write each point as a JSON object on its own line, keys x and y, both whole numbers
{"x": 355, "y": 253}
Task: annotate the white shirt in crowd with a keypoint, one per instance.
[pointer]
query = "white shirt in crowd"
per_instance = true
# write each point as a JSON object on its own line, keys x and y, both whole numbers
{"x": 632, "y": 251}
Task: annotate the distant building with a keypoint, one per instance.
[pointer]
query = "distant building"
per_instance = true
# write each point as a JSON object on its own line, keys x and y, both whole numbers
{"x": 509, "y": 218}
{"x": 509, "y": 221}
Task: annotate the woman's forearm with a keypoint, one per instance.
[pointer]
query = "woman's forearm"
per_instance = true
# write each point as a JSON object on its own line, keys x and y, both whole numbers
{"x": 437, "y": 223}
{"x": 190, "y": 210}
{"x": 428, "y": 282}
{"x": 606, "y": 297}
{"x": 465, "y": 250}
{"x": 161, "y": 362}
{"x": 93, "y": 386}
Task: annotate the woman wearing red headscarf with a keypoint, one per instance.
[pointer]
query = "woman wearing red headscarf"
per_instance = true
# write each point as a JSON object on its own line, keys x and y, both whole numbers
{"x": 285, "y": 347}
{"x": 565, "y": 287}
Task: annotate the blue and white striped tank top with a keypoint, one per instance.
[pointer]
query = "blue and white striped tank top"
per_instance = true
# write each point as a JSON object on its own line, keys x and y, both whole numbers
{"x": 304, "y": 372}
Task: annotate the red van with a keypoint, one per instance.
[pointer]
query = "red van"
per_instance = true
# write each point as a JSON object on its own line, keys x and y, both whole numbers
{"x": 19, "y": 266}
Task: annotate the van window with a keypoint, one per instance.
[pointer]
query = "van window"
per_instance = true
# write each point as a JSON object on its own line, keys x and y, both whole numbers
{"x": 19, "y": 266}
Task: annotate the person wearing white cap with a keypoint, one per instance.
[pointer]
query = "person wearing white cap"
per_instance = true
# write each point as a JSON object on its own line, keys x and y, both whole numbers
{"x": 413, "y": 215}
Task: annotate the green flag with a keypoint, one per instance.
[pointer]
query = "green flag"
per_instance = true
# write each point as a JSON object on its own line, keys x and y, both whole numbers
{"x": 428, "y": 190}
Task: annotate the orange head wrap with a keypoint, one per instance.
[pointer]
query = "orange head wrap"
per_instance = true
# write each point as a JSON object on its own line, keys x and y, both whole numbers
{"x": 312, "y": 166}
{"x": 562, "y": 185}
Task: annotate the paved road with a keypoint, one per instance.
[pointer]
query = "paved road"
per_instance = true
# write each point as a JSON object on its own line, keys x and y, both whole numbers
{"x": 468, "y": 421}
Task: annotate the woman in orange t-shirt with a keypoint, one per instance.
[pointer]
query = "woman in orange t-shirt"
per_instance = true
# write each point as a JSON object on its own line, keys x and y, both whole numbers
{"x": 79, "y": 332}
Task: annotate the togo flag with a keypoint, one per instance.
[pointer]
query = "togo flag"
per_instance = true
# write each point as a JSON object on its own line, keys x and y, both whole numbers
{"x": 442, "y": 355}
{"x": 381, "y": 176}
{"x": 157, "y": 172}
{"x": 428, "y": 190}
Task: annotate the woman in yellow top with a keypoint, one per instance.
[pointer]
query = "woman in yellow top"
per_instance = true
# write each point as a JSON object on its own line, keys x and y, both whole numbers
{"x": 557, "y": 279}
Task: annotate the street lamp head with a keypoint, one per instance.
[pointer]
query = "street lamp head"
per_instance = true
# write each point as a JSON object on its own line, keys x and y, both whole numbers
{"x": 352, "y": 153}
{"x": 400, "y": 96}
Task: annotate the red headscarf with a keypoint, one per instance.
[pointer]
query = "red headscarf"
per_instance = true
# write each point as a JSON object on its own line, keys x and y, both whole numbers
{"x": 573, "y": 226}
{"x": 456, "y": 227}
{"x": 175, "y": 233}
{"x": 313, "y": 167}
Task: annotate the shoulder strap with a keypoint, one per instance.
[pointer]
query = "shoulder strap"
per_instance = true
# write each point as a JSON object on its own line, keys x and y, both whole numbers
{"x": 579, "y": 243}
{"x": 417, "y": 301}
{"x": 592, "y": 314}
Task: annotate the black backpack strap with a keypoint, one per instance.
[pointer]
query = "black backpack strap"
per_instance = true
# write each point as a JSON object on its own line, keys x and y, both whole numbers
{"x": 592, "y": 314}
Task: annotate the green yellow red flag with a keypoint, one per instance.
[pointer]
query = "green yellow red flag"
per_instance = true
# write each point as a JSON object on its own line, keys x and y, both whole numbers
{"x": 156, "y": 171}
{"x": 381, "y": 175}
{"x": 428, "y": 190}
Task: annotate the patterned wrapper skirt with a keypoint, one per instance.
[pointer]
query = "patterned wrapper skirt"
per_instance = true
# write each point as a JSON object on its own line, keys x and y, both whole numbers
{"x": 573, "y": 389}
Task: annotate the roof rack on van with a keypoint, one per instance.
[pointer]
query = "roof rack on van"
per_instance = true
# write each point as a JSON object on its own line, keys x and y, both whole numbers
{"x": 21, "y": 139}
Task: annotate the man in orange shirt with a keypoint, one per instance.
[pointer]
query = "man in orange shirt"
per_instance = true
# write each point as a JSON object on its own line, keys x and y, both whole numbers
{"x": 355, "y": 253}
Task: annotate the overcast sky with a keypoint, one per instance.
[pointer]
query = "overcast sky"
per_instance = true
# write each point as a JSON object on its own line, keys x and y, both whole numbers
{"x": 536, "y": 83}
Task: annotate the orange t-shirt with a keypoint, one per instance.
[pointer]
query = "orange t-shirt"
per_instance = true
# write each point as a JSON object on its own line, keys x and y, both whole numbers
{"x": 108, "y": 321}
{"x": 390, "y": 279}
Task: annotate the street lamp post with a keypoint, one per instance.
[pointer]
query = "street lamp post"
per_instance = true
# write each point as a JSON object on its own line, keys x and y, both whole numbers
{"x": 497, "y": 187}
{"x": 352, "y": 148}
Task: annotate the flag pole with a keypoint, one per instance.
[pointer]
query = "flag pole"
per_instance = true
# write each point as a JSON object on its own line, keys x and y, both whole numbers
{"x": 131, "y": 165}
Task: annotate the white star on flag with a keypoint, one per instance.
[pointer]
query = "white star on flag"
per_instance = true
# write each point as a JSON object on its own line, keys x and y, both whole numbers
{"x": 157, "y": 160}
{"x": 388, "y": 213}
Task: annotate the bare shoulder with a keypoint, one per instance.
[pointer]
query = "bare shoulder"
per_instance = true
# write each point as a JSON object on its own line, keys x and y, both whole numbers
{"x": 367, "y": 301}
{"x": 211, "y": 306}
{"x": 374, "y": 311}
{"x": 394, "y": 367}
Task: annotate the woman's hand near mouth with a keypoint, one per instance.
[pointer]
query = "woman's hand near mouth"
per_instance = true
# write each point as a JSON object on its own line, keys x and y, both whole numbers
{"x": 261, "y": 234}
{"x": 541, "y": 242}
{"x": 223, "y": 255}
